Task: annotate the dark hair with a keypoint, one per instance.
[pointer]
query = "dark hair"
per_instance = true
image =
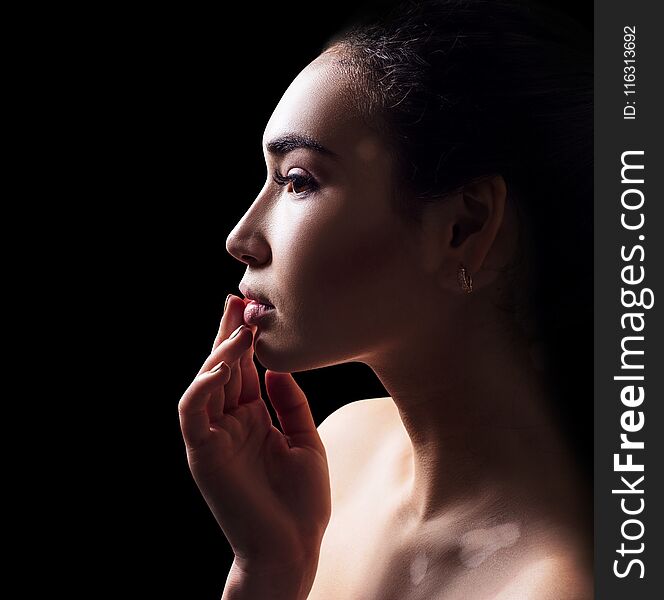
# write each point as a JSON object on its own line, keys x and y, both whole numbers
{"x": 463, "y": 89}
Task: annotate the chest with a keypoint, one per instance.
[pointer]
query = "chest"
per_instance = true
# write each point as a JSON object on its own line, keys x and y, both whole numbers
{"x": 368, "y": 552}
{"x": 364, "y": 560}
{"x": 363, "y": 557}
{"x": 372, "y": 551}
{"x": 374, "y": 559}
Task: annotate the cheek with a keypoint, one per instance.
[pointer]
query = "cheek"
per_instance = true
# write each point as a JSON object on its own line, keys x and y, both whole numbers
{"x": 359, "y": 263}
{"x": 351, "y": 267}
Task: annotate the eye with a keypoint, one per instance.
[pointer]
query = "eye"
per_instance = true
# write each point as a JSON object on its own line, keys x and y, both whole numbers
{"x": 300, "y": 184}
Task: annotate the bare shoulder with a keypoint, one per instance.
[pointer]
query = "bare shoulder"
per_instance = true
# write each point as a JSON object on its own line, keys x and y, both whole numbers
{"x": 551, "y": 578}
{"x": 352, "y": 416}
{"x": 351, "y": 434}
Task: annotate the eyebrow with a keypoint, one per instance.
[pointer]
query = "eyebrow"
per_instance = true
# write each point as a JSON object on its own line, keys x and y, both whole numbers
{"x": 292, "y": 141}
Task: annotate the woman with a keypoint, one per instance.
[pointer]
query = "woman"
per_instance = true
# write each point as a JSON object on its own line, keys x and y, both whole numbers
{"x": 426, "y": 213}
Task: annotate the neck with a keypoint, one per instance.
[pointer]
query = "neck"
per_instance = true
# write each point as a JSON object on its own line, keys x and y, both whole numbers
{"x": 476, "y": 412}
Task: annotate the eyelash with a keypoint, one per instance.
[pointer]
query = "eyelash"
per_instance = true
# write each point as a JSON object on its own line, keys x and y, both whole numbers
{"x": 280, "y": 179}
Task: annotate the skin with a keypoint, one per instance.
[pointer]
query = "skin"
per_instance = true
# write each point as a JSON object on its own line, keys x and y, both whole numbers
{"x": 351, "y": 280}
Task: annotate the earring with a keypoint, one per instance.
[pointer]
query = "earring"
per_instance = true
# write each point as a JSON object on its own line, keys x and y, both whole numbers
{"x": 465, "y": 279}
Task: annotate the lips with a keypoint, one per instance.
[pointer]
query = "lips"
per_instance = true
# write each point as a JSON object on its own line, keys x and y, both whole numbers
{"x": 254, "y": 295}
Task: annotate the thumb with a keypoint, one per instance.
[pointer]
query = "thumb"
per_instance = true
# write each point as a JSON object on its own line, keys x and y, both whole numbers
{"x": 292, "y": 408}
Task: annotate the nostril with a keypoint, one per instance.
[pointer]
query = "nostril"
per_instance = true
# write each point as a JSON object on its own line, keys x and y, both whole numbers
{"x": 248, "y": 260}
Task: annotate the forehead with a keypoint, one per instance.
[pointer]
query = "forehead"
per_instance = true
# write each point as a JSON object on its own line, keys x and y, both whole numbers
{"x": 319, "y": 105}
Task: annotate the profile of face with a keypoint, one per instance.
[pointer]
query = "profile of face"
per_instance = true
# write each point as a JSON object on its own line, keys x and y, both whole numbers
{"x": 345, "y": 272}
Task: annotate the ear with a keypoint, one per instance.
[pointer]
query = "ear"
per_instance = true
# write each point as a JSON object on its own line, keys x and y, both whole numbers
{"x": 473, "y": 218}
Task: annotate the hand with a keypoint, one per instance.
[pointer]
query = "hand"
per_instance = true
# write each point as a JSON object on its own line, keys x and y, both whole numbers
{"x": 268, "y": 490}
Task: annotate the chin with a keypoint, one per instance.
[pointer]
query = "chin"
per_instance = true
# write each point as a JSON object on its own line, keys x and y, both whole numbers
{"x": 274, "y": 358}
{"x": 287, "y": 359}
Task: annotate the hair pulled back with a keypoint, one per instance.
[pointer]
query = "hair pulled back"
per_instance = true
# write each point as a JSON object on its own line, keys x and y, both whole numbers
{"x": 464, "y": 89}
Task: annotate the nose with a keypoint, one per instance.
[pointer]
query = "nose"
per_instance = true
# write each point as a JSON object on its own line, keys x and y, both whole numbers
{"x": 246, "y": 242}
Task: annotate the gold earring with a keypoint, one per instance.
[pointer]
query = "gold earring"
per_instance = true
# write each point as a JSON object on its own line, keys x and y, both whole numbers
{"x": 465, "y": 279}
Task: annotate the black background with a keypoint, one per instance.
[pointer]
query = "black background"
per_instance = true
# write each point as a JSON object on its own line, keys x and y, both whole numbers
{"x": 184, "y": 96}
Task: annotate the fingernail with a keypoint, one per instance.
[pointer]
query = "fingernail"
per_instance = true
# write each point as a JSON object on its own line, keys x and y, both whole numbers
{"x": 240, "y": 328}
{"x": 226, "y": 303}
{"x": 219, "y": 367}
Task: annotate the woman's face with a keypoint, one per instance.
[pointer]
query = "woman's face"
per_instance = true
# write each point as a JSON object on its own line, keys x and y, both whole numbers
{"x": 326, "y": 249}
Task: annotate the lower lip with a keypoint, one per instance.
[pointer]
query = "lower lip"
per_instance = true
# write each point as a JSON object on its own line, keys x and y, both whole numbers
{"x": 255, "y": 312}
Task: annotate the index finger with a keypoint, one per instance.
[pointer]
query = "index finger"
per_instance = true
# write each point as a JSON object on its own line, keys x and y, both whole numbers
{"x": 232, "y": 318}
{"x": 229, "y": 350}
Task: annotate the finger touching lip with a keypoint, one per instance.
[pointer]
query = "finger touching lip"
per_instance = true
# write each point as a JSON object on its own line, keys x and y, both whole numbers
{"x": 236, "y": 344}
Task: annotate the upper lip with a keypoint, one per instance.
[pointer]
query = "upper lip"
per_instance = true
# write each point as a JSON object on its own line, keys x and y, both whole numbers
{"x": 252, "y": 294}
